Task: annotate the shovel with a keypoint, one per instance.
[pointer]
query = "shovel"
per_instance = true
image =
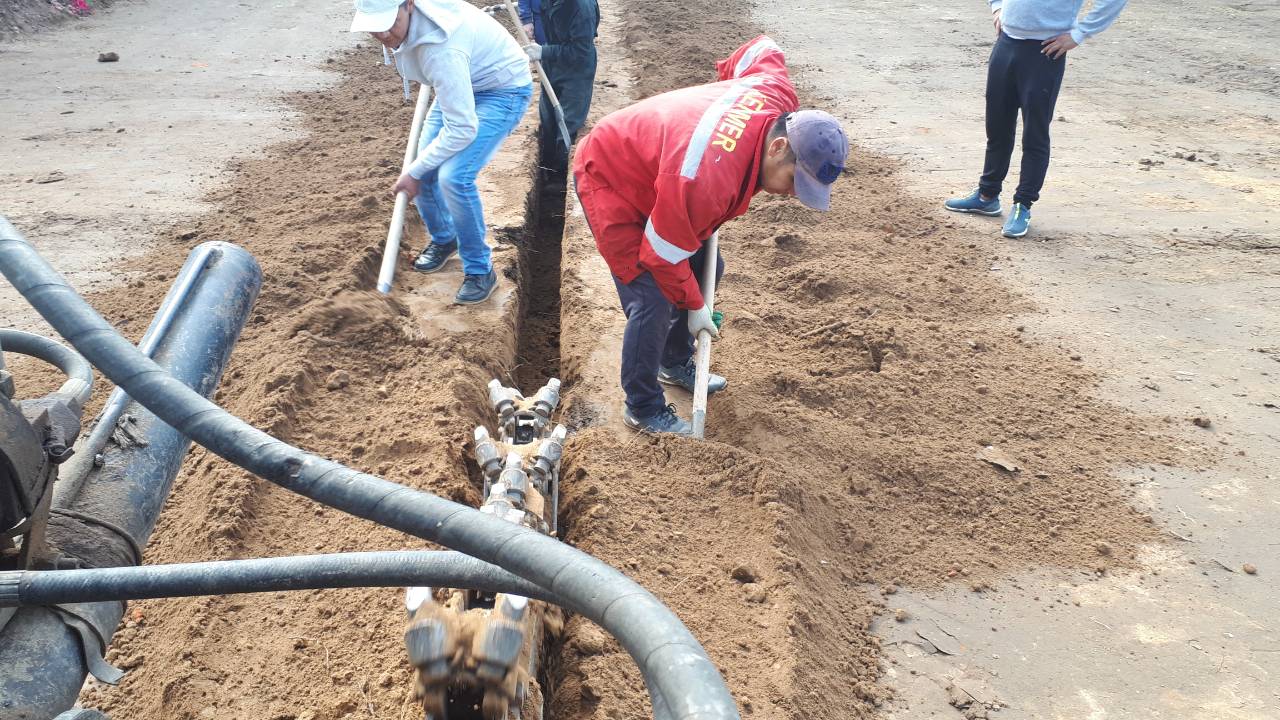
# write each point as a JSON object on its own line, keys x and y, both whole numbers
{"x": 391, "y": 251}
{"x": 542, "y": 76}
{"x": 702, "y": 361}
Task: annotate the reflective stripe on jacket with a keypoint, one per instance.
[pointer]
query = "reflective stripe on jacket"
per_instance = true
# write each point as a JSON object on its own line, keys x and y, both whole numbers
{"x": 686, "y": 161}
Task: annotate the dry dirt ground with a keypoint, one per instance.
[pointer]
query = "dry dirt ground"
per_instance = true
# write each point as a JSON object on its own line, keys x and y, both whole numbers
{"x": 19, "y": 18}
{"x": 1155, "y": 254}
{"x": 873, "y": 353}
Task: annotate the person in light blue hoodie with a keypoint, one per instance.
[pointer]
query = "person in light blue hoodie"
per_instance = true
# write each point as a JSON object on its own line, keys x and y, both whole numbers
{"x": 480, "y": 76}
{"x": 1024, "y": 73}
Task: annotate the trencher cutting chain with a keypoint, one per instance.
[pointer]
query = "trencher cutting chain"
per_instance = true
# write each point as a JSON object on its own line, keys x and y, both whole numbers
{"x": 480, "y": 651}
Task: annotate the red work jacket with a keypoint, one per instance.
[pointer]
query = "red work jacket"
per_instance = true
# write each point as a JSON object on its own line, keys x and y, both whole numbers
{"x": 682, "y": 163}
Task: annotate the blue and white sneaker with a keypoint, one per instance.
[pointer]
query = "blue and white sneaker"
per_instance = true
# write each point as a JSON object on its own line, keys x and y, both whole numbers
{"x": 973, "y": 203}
{"x": 685, "y": 376}
{"x": 664, "y": 421}
{"x": 1019, "y": 221}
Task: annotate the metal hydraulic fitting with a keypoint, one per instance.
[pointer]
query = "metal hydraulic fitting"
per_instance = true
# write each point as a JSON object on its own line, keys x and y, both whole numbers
{"x": 548, "y": 397}
{"x": 488, "y": 457}
{"x": 546, "y": 461}
{"x": 515, "y": 480}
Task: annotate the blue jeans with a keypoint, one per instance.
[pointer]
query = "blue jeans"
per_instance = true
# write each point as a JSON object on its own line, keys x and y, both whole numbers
{"x": 657, "y": 336}
{"x": 448, "y": 200}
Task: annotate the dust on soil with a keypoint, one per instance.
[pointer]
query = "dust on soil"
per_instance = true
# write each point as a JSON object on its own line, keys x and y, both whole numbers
{"x": 326, "y": 363}
{"x": 871, "y": 355}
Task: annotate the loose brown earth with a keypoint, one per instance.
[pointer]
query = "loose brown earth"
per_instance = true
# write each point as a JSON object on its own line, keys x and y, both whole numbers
{"x": 871, "y": 357}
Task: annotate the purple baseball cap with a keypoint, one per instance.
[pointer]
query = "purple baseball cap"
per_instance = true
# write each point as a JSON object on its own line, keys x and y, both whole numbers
{"x": 821, "y": 148}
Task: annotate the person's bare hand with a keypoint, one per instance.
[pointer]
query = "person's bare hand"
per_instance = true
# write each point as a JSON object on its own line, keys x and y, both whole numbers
{"x": 995, "y": 20}
{"x": 407, "y": 184}
{"x": 1058, "y": 46}
{"x": 528, "y": 30}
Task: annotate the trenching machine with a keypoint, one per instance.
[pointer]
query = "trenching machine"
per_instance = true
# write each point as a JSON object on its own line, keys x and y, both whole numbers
{"x": 77, "y": 509}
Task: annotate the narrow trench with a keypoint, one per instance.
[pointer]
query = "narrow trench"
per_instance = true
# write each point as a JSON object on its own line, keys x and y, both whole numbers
{"x": 538, "y": 342}
{"x": 538, "y": 349}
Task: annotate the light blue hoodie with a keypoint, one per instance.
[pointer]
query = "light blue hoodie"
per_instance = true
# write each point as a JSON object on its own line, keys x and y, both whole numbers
{"x": 459, "y": 51}
{"x": 1044, "y": 19}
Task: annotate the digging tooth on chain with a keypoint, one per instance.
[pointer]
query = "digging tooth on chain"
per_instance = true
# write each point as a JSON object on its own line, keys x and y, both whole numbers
{"x": 488, "y": 457}
{"x": 546, "y": 400}
{"x": 503, "y": 400}
{"x": 477, "y": 643}
{"x": 514, "y": 478}
{"x": 547, "y": 460}
{"x": 432, "y": 642}
{"x": 496, "y": 650}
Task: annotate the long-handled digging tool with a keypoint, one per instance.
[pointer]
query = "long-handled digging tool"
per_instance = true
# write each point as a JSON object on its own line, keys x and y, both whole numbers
{"x": 537, "y": 66}
{"x": 392, "y": 249}
{"x": 702, "y": 362}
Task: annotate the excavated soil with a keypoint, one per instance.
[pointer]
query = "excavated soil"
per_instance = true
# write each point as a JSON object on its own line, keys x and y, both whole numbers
{"x": 328, "y": 364}
{"x": 871, "y": 356}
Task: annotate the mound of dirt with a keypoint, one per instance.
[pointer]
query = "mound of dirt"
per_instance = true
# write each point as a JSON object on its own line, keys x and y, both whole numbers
{"x": 871, "y": 356}
{"x": 330, "y": 365}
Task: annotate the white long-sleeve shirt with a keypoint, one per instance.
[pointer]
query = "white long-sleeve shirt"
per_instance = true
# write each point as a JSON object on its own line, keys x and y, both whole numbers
{"x": 459, "y": 51}
{"x": 1044, "y": 19}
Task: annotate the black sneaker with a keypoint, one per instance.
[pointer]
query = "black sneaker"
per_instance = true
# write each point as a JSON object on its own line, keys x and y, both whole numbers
{"x": 684, "y": 376}
{"x": 434, "y": 256}
{"x": 664, "y": 421}
{"x": 476, "y": 288}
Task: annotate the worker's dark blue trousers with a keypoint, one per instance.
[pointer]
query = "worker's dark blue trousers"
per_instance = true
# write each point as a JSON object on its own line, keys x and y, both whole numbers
{"x": 1019, "y": 77}
{"x": 573, "y": 86}
{"x": 657, "y": 336}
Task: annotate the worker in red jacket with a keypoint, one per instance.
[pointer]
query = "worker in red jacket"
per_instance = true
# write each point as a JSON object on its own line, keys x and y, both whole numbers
{"x": 657, "y": 178}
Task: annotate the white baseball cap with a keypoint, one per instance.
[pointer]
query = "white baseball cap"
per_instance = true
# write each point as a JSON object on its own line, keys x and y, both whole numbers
{"x": 375, "y": 15}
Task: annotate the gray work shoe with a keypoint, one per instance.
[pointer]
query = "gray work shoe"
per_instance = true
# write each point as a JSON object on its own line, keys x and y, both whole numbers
{"x": 683, "y": 376}
{"x": 476, "y": 288}
{"x": 664, "y": 421}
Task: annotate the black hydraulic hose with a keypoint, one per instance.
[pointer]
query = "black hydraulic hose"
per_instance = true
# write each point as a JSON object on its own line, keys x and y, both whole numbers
{"x": 306, "y": 572}
{"x": 79, "y": 373}
{"x": 689, "y": 686}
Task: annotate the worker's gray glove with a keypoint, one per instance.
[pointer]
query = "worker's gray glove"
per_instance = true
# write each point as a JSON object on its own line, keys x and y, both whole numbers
{"x": 534, "y": 51}
{"x": 700, "y": 320}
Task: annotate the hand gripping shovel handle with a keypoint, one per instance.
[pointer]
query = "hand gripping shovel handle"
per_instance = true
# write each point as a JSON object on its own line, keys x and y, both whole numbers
{"x": 391, "y": 251}
{"x": 702, "y": 357}
{"x": 542, "y": 76}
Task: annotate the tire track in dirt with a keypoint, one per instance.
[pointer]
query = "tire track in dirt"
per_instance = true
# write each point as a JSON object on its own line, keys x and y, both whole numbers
{"x": 871, "y": 355}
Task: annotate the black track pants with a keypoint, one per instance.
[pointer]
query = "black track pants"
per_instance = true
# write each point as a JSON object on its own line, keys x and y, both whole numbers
{"x": 1019, "y": 77}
